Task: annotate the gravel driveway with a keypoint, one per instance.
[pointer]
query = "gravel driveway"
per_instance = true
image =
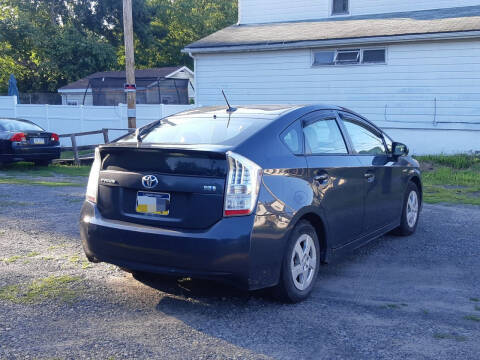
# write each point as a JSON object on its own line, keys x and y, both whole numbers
{"x": 397, "y": 298}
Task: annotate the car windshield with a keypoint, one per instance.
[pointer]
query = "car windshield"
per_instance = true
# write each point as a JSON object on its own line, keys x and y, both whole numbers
{"x": 18, "y": 125}
{"x": 191, "y": 130}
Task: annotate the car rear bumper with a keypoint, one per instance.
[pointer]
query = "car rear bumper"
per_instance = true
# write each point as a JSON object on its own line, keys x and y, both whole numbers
{"x": 220, "y": 252}
{"x": 31, "y": 153}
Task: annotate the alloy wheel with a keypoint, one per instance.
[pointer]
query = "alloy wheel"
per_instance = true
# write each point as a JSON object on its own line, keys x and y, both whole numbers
{"x": 412, "y": 209}
{"x": 303, "y": 262}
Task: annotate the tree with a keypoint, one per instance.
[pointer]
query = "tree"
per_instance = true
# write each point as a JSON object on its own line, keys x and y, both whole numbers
{"x": 48, "y": 43}
{"x": 178, "y": 23}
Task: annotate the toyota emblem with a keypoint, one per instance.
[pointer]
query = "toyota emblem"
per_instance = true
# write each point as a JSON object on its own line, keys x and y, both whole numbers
{"x": 149, "y": 181}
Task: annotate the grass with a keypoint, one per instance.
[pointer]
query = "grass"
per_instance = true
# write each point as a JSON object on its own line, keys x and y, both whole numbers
{"x": 74, "y": 259}
{"x": 69, "y": 154}
{"x": 451, "y": 178}
{"x": 13, "y": 203}
{"x": 11, "y": 259}
{"x": 29, "y": 169}
{"x": 472, "y": 318}
{"x": 458, "y": 161}
{"x": 19, "y": 181}
{"x": 62, "y": 288}
{"x": 441, "y": 336}
{"x": 393, "y": 306}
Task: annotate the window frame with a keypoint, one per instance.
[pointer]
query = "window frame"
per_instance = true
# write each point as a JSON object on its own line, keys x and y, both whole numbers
{"x": 322, "y": 115}
{"x": 332, "y": 7}
{"x": 360, "y": 60}
{"x": 359, "y": 53}
{"x": 365, "y": 124}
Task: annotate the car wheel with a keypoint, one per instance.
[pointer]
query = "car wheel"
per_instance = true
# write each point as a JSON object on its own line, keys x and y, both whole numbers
{"x": 42, "y": 162}
{"x": 410, "y": 212}
{"x": 300, "y": 264}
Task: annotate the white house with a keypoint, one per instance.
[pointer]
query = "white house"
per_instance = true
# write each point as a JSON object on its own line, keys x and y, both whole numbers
{"x": 80, "y": 91}
{"x": 411, "y": 66}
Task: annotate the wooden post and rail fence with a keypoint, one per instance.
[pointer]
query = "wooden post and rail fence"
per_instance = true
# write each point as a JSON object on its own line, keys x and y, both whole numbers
{"x": 76, "y": 149}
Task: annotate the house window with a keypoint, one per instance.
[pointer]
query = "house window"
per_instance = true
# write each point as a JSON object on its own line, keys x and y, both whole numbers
{"x": 349, "y": 57}
{"x": 371, "y": 56}
{"x": 72, "y": 102}
{"x": 340, "y": 7}
{"x": 324, "y": 58}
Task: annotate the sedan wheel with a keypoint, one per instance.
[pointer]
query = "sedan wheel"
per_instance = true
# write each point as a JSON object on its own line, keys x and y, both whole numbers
{"x": 300, "y": 265}
{"x": 411, "y": 211}
{"x": 412, "y": 208}
{"x": 304, "y": 262}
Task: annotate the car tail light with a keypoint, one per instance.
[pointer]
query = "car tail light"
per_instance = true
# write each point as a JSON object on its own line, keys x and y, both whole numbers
{"x": 92, "y": 186}
{"x": 243, "y": 184}
{"x": 18, "y": 137}
{"x": 54, "y": 137}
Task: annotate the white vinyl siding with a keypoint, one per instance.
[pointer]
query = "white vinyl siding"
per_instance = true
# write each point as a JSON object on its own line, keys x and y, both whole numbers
{"x": 264, "y": 11}
{"x": 422, "y": 84}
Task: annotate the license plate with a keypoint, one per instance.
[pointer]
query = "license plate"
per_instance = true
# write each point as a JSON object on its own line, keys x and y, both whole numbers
{"x": 38, "y": 141}
{"x": 156, "y": 204}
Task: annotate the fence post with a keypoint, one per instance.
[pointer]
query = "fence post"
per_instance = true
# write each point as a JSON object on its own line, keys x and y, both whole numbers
{"x": 15, "y": 102}
{"x": 75, "y": 149}
{"x": 47, "y": 115}
{"x": 105, "y": 136}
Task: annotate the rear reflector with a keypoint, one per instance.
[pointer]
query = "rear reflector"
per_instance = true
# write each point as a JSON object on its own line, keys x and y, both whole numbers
{"x": 18, "y": 137}
{"x": 92, "y": 186}
{"x": 243, "y": 184}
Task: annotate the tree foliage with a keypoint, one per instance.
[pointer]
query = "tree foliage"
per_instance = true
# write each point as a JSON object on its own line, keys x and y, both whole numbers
{"x": 49, "y": 43}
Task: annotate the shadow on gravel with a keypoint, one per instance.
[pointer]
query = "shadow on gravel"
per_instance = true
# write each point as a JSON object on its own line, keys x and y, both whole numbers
{"x": 208, "y": 291}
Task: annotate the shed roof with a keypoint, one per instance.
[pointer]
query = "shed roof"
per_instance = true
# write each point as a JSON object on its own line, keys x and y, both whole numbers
{"x": 464, "y": 20}
{"x": 145, "y": 73}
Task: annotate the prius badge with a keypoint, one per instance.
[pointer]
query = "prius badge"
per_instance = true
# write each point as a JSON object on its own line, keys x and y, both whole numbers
{"x": 149, "y": 181}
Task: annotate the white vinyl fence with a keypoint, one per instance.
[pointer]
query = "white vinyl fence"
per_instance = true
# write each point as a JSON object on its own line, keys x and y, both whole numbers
{"x": 63, "y": 119}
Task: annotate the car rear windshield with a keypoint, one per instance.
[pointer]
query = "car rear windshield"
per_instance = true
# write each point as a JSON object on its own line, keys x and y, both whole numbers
{"x": 218, "y": 130}
{"x": 18, "y": 125}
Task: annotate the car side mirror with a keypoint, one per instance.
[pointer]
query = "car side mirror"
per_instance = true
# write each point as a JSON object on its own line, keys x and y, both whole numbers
{"x": 399, "y": 149}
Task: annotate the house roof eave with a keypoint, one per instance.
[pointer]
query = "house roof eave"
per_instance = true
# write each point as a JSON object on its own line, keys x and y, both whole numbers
{"x": 334, "y": 42}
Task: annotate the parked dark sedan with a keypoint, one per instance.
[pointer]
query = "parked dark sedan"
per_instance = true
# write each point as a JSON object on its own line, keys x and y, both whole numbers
{"x": 258, "y": 196}
{"x": 22, "y": 140}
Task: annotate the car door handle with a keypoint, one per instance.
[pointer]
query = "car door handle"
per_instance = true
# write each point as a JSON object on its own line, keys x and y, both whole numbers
{"x": 322, "y": 179}
{"x": 370, "y": 177}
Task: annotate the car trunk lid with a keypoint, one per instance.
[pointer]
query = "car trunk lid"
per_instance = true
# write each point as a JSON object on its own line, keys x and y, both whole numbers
{"x": 191, "y": 179}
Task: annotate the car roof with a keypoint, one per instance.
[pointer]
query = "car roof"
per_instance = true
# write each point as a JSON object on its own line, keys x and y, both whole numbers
{"x": 267, "y": 111}
{"x": 15, "y": 119}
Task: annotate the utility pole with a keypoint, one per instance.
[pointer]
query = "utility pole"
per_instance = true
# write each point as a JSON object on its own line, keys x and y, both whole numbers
{"x": 130, "y": 86}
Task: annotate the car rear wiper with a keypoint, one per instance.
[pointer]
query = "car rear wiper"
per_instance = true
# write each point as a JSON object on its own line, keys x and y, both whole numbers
{"x": 141, "y": 132}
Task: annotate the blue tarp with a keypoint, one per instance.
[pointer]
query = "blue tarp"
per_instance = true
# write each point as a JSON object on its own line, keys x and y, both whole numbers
{"x": 12, "y": 88}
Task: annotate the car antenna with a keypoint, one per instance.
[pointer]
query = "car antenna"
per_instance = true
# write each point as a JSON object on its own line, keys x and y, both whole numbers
{"x": 230, "y": 109}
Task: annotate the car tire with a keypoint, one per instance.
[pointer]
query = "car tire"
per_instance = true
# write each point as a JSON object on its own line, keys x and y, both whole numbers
{"x": 300, "y": 264}
{"x": 42, "y": 162}
{"x": 410, "y": 211}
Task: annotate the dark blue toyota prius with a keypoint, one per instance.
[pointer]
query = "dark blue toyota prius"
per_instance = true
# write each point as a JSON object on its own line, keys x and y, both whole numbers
{"x": 258, "y": 196}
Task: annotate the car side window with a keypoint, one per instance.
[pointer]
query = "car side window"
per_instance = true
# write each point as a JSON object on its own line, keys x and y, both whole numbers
{"x": 292, "y": 138}
{"x": 324, "y": 137}
{"x": 364, "y": 141}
